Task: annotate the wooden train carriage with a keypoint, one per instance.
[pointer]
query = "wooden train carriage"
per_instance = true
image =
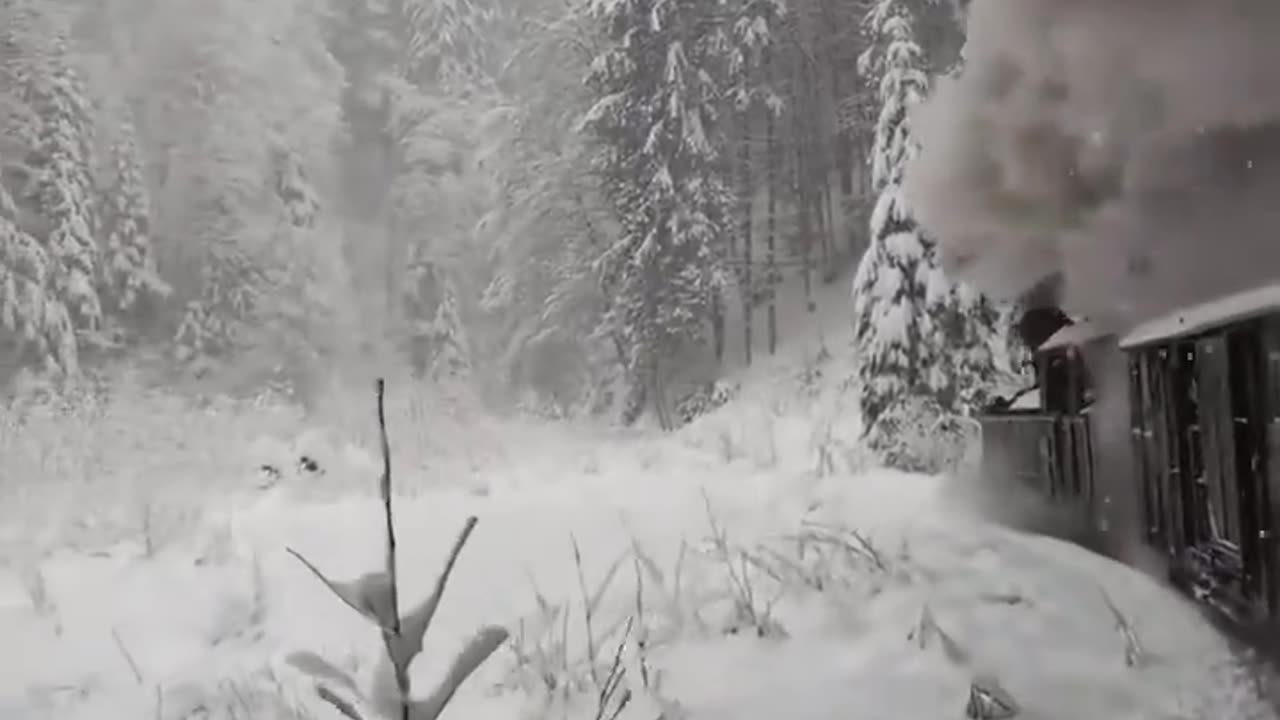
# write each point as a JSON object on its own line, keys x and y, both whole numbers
{"x": 1204, "y": 456}
{"x": 1205, "y": 424}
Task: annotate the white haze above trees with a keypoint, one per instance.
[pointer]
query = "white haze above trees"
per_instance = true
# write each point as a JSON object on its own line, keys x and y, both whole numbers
{"x": 571, "y": 202}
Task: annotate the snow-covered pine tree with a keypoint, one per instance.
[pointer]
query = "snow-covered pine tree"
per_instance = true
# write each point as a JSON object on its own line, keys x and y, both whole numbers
{"x": 891, "y": 323}
{"x": 35, "y": 326}
{"x": 232, "y": 282}
{"x": 964, "y": 327}
{"x": 925, "y": 345}
{"x": 294, "y": 329}
{"x": 26, "y": 29}
{"x": 265, "y": 304}
{"x": 128, "y": 270}
{"x": 656, "y": 114}
{"x": 417, "y": 82}
{"x": 437, "y": 197}
{"x": 36, "y": 330}
{"x": 63, "y": 193}
{"x": 437, "y": 339}
{"x": 228, "y": 235}
{"x": 543, "y": 299}
{"x": 445, "y": 38}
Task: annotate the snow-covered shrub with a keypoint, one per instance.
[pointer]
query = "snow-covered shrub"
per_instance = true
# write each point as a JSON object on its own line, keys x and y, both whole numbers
{"x": 705, "y": 399}
{"x": 915, "y": 435}
{"x": 541, "y": 406}
{"x": 813, "y": 372}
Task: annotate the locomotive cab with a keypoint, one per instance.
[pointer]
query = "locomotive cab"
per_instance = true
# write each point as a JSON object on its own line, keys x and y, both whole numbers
{"x": 1042, "y": 440}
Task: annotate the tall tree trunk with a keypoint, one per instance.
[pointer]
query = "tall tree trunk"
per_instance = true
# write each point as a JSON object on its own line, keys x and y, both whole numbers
{"x": 771, "y": 221}
{"x": 818, "y": 145}
{"x": 392, "y": 256}
{"x": 829, "y": 202}
{"x": 862, "y": 140}
{"x": 843, "y": 150}
{"x": 814, "y": 164}
{"x": 658, "y": 394}
{"x": 818, "y": 185}
{"x": 831, "y": 255}
{"x": 717, "y": 327}
{"x": 799, "y": 176}
{"x": 745, "y": 199}
{"x": 736, "y": 127}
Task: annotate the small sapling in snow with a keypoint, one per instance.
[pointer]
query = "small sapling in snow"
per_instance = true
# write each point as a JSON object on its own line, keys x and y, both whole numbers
{"x": 375, "y": 595}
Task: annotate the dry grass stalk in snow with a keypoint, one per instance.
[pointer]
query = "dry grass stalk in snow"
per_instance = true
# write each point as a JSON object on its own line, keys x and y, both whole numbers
{"x": 1134, "y": 655}
{"x": 750, "y": 609}
{"x": 988, "y": 699}
{"x": 375, "y": 595}
{"x": 613, "y": 681}
{"x": 543, "y": 661}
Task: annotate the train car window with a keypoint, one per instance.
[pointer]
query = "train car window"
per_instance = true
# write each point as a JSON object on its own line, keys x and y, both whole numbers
{"x": 1055, "y": 383}
{"x": 1085, "y": 394}
{"x": 1074, "y": 386}
{"x": 1066, "y": 385}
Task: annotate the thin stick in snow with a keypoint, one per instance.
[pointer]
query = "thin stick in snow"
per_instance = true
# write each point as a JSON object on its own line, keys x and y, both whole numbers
{"x": 128, "y": 657}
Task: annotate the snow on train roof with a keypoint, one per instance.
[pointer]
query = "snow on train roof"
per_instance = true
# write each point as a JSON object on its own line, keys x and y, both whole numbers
{"x": 1194, "y": 319}
{"x": 1079, "y": 333}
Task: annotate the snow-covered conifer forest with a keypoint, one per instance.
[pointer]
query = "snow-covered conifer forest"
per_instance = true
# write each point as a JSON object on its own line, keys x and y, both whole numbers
{"x": 678, "y": 395}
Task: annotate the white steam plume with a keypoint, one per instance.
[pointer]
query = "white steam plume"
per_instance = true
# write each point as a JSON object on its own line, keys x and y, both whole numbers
{"x": 1130, "y": 146}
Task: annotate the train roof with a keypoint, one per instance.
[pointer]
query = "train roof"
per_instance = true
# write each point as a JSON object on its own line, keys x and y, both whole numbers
{"x": 1078, "y": 333}
{"x": 1195, "y": 319}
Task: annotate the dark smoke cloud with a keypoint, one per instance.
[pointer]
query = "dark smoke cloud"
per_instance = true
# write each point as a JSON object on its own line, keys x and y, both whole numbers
{"x": 1130, "y": 146}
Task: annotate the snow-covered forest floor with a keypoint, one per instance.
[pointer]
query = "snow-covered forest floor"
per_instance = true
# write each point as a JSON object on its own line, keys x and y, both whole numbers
{"x": 145, "y": 572}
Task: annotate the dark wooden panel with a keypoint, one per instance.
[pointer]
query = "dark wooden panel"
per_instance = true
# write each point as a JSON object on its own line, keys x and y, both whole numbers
{"x": 1270, "y": 394}
{"x": 1067, "y": 472}
{"x": 1183, "y": 451}
{"x": 1078, "y": 446}
{"x": 1271, "y": 555}
{"x": 1022, "y": 446}
{"x": 1218, "y": 435}
{"x": 1163, "y": 423}
{"x": 1250, "y": 437}
{"x": 1139, "y": 430}
{"x": 1158, "y": 421}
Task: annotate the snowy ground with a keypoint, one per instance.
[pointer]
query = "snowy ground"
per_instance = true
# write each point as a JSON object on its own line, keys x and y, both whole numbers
{"x": 144, "y": 574}
{"x": 806, "y": 619}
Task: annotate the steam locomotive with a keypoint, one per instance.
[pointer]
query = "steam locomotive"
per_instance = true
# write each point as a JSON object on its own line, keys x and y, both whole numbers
{"x": 1195, "y": 480}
